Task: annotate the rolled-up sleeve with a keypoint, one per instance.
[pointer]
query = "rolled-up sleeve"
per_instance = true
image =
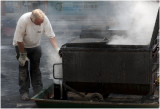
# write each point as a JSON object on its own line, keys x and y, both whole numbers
{"x": 20, "y": 30}
{"x": 48, "y": 31}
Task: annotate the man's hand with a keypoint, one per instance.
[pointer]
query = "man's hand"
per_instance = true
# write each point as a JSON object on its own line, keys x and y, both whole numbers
{"x": 59, "y": 52}
{"x": 22, "y": 59}
{"x": 54, "y": 44}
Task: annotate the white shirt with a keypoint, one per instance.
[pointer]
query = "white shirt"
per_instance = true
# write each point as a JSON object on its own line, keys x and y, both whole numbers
{"x": 30, "y": 33}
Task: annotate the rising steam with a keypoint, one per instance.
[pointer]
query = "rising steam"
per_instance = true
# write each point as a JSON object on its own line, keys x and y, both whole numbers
{"x": 142, "y": 20}
{"x": 137, "y": 19}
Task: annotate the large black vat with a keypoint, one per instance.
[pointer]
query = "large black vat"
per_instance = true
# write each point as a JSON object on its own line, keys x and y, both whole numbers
{"x": 91, "y": 65}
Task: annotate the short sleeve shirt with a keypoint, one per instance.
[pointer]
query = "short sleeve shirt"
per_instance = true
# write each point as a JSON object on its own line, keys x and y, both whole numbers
{"x": 29, "y": 33}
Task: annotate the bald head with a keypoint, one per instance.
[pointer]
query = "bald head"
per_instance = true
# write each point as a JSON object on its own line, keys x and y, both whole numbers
{"x": 37, "y": 16}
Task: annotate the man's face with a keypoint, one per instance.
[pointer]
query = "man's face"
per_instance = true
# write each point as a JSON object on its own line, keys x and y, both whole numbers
{"x": 38, "y": 21}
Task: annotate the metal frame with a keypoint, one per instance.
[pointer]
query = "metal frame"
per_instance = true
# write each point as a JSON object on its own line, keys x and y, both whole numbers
{"x": 53, "y": 70}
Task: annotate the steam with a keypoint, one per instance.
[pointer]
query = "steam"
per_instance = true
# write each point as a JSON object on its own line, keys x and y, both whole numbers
{"x": 143, "y": 16}
{"x": 137, "y": 19}
{"x": 54, "y": 58}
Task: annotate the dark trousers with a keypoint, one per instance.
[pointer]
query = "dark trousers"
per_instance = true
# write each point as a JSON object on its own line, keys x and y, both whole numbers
{"x": 31, "y": 71}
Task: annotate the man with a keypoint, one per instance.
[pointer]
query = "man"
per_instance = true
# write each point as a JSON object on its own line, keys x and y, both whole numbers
{"x": 30, "y": 27}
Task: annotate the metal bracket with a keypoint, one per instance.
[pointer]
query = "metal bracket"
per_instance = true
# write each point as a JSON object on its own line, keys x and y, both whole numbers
{"x": 53, "y": 70}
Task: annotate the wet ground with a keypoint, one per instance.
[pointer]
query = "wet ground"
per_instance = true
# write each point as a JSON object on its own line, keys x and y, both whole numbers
{"x": 9, "y": 73}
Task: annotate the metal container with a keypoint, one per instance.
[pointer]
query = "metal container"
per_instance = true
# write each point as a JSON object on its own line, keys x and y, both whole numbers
{"x": 91, "y": 65}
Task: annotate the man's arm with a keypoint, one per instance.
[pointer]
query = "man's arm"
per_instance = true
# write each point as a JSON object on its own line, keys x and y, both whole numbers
{"x": 21, "y": 47}
{"x": 54, "y": 44}
{"x": 53, "y": 41}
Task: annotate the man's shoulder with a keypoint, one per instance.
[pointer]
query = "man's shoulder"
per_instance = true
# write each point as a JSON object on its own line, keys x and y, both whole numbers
{"x": 46, "y": 20}
{"x": 26, "y": 15}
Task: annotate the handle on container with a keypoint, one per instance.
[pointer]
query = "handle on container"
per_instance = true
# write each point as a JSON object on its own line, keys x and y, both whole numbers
{"x": 53, "y": 70}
